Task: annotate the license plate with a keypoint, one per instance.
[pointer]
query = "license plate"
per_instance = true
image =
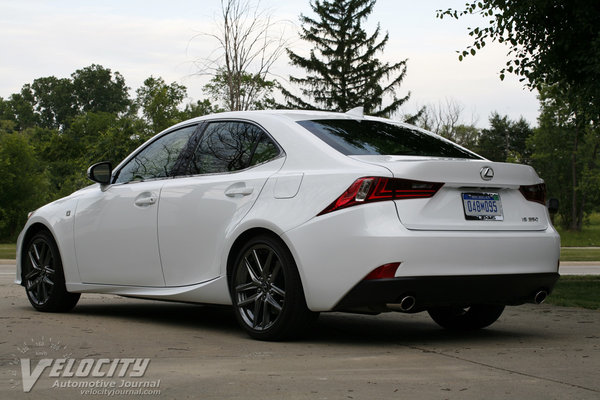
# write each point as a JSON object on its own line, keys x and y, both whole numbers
{"x": 482, "y": 206}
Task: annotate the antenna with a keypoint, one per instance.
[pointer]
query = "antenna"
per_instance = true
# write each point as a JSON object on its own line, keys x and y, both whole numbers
{"x": 357, "y": 112}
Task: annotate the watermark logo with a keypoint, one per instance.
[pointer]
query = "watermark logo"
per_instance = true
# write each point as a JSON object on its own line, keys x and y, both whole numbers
{"x": 95, "y": 376}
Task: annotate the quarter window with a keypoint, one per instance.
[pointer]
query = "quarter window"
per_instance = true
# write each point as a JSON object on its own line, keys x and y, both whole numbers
{"x": 231, "y": 146}
{"x": 158, "y": 159}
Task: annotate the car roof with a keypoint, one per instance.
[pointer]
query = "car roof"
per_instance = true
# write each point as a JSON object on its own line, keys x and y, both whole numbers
{"x": 294, "y": 115}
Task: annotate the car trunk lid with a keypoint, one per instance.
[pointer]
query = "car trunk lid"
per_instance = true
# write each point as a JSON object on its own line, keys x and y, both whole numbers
{"x": 476, "y": 195}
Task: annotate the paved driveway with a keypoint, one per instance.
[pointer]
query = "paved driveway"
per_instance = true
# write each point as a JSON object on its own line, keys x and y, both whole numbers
{"x": 532, "y": 352}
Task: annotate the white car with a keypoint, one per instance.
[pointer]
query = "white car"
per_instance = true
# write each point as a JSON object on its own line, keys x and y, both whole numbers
{"x": 285, "y": 214}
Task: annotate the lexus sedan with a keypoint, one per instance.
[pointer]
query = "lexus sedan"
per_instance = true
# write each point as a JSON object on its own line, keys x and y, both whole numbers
{"x": 286, "y": 214}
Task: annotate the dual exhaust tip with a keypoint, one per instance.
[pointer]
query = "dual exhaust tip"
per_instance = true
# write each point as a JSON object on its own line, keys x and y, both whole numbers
{"x": 407, "y": 303}
{"x": 540, "y": 296}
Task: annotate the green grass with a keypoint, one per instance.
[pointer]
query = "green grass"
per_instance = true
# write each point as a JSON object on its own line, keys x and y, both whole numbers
{"x": 576, "y": 291}
{"x": 8, "y": 251}
{"x": 569, "y": 254}
{"x": 588, "y": 237}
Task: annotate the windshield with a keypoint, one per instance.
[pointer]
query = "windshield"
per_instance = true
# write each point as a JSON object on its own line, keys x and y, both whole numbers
{"x": 363, "y": 137}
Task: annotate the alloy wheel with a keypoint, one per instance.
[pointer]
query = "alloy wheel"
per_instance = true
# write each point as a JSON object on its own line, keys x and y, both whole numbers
{"x": 259, "y": 287}
{"x": 40, "y": 279}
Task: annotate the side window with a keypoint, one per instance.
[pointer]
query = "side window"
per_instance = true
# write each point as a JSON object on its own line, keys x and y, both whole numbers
{"x": 158, "y": 158}
{"x": 265, "y": 150}
{"x": 231, "y": 146}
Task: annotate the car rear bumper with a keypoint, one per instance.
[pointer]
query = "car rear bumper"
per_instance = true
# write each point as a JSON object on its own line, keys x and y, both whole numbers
{"x": 336, "y": 251}
{"x": 434, "y": 291}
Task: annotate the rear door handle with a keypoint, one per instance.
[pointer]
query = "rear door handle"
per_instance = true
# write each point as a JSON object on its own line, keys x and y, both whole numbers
{"x": 238, "y": 189}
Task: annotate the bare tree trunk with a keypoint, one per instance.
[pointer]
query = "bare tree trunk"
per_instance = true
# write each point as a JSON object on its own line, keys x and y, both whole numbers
{"x": 249, "y": 43}
{"x": 573, "y": 224}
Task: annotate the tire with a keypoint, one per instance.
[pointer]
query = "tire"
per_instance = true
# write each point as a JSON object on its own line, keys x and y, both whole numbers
{"x": 44, "y": 279}
{"x": 458, "y": 318}
{"x": 266, "y": 291}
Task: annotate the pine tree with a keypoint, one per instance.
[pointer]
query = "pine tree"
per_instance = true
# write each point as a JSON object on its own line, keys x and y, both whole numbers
{"x": 343, "y": 70}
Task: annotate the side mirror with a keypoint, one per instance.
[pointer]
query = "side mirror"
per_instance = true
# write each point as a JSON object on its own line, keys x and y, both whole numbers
{"x": 553, "y": 206}
{"x": 100, "y": 172}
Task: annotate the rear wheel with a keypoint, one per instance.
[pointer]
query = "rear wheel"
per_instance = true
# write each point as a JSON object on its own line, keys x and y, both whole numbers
{"x": 460, "y": 318}
{"x": 266, "y": 291}
{"x": 44, "y": 278}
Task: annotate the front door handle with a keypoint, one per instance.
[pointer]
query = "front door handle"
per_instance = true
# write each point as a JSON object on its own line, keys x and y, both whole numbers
{"x": 238, "y": 189}
{"x": 145, "y": 199}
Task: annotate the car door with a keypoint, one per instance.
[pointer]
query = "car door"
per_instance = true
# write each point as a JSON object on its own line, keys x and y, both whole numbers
{"x": 116, "y": 226}
{"x": 228, "y": 169}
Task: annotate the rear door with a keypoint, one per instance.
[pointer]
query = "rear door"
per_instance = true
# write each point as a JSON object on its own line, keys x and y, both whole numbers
{"x": 226, "y": 173}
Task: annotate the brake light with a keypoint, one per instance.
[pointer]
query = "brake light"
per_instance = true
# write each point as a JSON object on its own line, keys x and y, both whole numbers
{"x": 371, "y": 189}
{"x": 535, "y": 193}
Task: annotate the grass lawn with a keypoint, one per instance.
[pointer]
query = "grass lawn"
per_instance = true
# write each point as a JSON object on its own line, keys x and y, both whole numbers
{"x": 576, "y": 291}
{"x": 8, "y": 251}
{"x": 588, "y": 237}
{"x": 569, "y": 254}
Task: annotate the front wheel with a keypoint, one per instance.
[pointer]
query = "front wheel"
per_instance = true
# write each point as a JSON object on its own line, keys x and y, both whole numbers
{"x": 44, "y": 279}
{"x": 266, "y": 291}
{"x": 460, "y": 318}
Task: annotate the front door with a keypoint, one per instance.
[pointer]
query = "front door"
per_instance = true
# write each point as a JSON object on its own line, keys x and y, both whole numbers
{"x": 116, "y": 238}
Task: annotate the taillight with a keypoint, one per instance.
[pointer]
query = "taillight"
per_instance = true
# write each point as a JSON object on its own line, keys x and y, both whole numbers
{"x": 371, "y": 189}
{"x": 535, "y": 193}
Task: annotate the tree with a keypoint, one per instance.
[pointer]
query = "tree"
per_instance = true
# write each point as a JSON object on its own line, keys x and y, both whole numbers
{"x": 5, "y": 111}
{"x": 467, "y": 136}
{"x": 445, "y": 119}
{"x": 54, "y": 101}
{"x": 97, "y": 89}
{"x": 159, "y": 102}
{"x": 253, "y": 93}
{"x": 343, "y": 68}
{"x": 24, "y": 182}
{"x": 19, "y": 109}
{"x": 249, "y": 43}
{"x": 442, "y": 118}
{"x": 201, "y": 107}
{"x": 565, "y": 150}
{"x": 505, "y": 140}
{"x": 51, "y": 102}
{"x": 550, "y": 42}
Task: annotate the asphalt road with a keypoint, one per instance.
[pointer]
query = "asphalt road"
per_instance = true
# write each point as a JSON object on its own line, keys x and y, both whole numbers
{"x": 196, "y": 352}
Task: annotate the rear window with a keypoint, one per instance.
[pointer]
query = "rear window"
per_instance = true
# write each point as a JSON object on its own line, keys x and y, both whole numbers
{"x": 356, "y": 138}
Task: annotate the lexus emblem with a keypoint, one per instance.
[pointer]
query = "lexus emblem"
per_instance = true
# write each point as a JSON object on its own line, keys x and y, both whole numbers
{"x": 486, "y": 173}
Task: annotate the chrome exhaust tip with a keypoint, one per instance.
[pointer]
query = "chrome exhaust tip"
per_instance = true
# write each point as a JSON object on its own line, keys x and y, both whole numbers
{"x": 407, "y": 303}
{"x": 540, "y": 297}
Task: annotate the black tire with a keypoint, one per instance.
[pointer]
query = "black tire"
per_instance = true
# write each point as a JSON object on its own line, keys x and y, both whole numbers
{"x": 266, "y": 291}
{"x": 43, "y": 276}
{"x": 470, "y": 318}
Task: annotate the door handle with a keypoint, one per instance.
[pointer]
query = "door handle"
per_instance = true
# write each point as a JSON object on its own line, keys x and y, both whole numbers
{"x": 145, "y": 201}
{"x": 236, "y": 190}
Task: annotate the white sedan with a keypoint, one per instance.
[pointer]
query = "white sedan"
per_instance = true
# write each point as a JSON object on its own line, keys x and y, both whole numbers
{"x": 285, "y": 214}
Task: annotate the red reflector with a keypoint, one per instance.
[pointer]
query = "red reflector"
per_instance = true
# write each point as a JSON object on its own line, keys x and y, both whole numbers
{"x": 386, "y": 271}
{"x": 371, "y": 189}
